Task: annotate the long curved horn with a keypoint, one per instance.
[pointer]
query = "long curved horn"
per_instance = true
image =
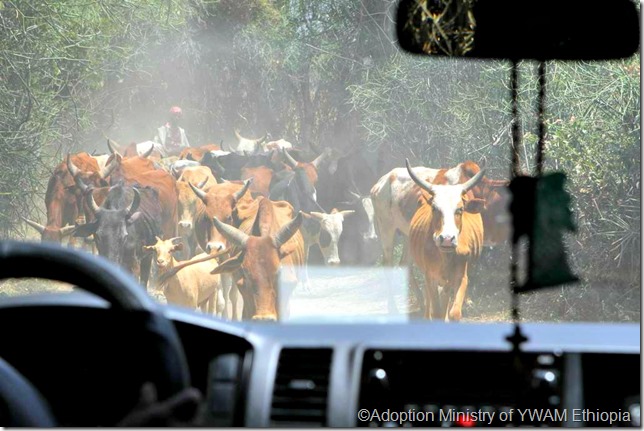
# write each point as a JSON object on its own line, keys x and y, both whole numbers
{"x": 112, "y": 146}
{"x": 135, "y": 203}
{"x": 474, "y": 180}
{"x": 200, "y": 193}
{"x": 107, "y": 170}
{"x": 67, "y": 230}
{"x": 287, "y": 231}
{"x": 148, "y": 152}
{"x": 316, "y": 162}
{"x": 92, "y": 204}
{"x": 80, "y": 183}
{"x": 40, "y": 228}
{"x": 239, "y": 194}
{"x": 203, "y": 183}
{"x": 289, "y": 159}
{"x": 71, "y": 167}
{"x": 232, "y": 234}
{"x": 317, "y": 215}
{"x": 175, "y": 239}
{"x": 421, "y": 183}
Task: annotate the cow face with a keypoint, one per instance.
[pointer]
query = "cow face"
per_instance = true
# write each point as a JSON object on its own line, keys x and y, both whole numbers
{"x": 448, "y": 203}
{"x": 331, "y": 229}
{"x": 97, "y": 179}
{"x": 220, "y": 202}
{"x": 259, "y": 260}
{"x": 111, "y": 226}
{"x": 187, "y": 204}
{"x": 163, "y": 251}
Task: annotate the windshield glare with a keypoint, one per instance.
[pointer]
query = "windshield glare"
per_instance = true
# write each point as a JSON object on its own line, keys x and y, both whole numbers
{"x": 315, "y": 105}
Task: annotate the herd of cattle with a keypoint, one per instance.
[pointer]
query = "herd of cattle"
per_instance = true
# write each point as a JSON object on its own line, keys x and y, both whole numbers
{"x": 216, "y": 227}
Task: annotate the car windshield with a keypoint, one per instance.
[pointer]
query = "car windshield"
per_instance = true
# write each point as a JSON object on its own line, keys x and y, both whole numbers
{"x": 155, "y": 132}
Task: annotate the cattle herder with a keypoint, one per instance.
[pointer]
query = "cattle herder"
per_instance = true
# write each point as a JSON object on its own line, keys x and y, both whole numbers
{"x": 171, "y": 136}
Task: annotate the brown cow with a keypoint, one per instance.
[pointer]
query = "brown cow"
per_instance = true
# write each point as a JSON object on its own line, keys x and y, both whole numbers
{"x": 267, "y": 242}
{"x": 190, "y": 205}
{"x": 445, "y": 234}
{"x": 220, "y": 201}
{"x": 63, "y": 201}
{"x": 193, "y": 286}
{"x": 198, "y": 175}
{"x": 395, "y": 200}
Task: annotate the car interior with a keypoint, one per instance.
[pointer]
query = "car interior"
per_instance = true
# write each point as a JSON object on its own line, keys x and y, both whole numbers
{"x": 80, "y": 358}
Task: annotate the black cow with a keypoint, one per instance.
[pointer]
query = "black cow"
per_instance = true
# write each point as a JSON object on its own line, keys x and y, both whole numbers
{"x": 229, "y": 166}
{"x": 359, "y": 245}
{"x": 345, "y": 183}
{"x": 127, "y": 220}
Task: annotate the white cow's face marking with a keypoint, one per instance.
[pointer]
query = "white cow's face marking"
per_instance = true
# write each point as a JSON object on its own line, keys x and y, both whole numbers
{"x": 448, "y": 202}
{"x": 331, "y": 225}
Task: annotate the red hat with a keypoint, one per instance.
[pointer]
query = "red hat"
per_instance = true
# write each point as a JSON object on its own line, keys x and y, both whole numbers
{"x": 175, "y": 110}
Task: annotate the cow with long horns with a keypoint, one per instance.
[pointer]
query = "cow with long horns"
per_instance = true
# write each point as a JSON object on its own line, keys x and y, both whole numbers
{"x": 445, "y": 234}
{"x": 62, "y": 201}
{"x": 221, "y": 202}
{"x": 126, "y": 221}
{"x": 267, "y": 250}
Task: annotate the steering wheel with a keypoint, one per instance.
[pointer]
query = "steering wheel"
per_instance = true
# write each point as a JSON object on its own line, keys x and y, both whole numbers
{"x": 97, "y": 275}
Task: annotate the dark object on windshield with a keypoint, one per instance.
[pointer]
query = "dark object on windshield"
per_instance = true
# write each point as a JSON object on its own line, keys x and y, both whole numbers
{"x": 541, "y": 210}
{"x": 519, "y": 29}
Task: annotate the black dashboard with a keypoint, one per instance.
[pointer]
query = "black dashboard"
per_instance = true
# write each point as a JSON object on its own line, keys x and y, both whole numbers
{"x": 339, "y": 375}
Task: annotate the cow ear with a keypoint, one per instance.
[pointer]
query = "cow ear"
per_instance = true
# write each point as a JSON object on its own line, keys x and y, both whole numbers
{"x": 85, "y": 230}
{"x": 287, "y": 249}
{"x": 148, "y": 247}
{"x": 474, "y": 206}
{"x": 134, "y": 217}
{"x": 230, "y": 265}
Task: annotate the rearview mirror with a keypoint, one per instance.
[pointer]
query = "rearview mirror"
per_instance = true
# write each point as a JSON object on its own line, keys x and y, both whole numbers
{"x": 520, "y": 29}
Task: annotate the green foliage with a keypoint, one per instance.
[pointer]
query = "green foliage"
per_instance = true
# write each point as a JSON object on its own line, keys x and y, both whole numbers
{"x": 59, "y": 59}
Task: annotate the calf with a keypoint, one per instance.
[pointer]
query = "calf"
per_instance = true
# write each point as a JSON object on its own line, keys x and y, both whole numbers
{"x": 193, "y": 286}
